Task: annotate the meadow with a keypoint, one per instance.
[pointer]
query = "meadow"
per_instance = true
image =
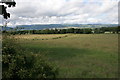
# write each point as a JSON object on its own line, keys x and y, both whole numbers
{"x": 76, "y": 55}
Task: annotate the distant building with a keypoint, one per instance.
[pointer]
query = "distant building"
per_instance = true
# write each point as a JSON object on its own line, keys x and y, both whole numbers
{"x": 108, "y": 32}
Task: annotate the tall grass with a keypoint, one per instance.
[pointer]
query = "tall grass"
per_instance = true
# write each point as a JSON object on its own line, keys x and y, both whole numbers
{"x": 79, "y": 56}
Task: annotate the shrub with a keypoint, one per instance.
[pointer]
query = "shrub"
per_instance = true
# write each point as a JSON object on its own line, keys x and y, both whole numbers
{"x": 19, "y": 63}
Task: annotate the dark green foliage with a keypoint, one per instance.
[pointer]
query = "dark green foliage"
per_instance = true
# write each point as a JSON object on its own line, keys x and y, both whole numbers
{"x": 3, "y": 8}
{"x": 87, "y": 31}
{"x": 77, "y": 31}
{"x": 19, "y": 63}
{"x": 63, "y": 31}
{"x": 69, "y": 30}
{"x": 107, "y": 29}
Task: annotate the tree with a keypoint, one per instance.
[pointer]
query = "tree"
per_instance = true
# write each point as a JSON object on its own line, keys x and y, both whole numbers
{"x": 10, "y": 3}
{"x": 19, "y": 63}
{"x": 62, "y": 31}
{"x": 70, "y": 30}
{"x": 87, "y": 31}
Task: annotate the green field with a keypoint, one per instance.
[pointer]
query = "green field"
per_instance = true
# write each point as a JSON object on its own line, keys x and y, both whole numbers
{"x": 77, "y": 55}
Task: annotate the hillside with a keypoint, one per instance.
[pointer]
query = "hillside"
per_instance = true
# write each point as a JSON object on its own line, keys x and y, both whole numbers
{"x": 49, "y": 26}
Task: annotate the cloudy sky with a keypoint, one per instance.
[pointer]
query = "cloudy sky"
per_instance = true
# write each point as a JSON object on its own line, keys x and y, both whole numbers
{"x": 63, "y": 12}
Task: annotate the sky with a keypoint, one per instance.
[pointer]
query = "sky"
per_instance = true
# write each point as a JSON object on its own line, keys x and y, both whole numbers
{"x": 29, "y": 12}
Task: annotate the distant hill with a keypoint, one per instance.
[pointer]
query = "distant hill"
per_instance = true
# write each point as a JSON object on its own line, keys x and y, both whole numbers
{"x": 49, "y": 26}
{"x": 6, "y": 28}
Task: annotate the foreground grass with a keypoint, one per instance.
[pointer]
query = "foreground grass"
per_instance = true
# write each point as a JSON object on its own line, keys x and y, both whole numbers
{"x": 77, "y": 55}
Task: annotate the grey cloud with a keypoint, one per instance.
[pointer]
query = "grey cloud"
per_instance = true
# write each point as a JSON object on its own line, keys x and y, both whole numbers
{"x": 62, "y": 11}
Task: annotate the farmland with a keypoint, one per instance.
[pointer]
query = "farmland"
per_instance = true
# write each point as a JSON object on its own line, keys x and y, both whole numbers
{"x": 76, "y": 55}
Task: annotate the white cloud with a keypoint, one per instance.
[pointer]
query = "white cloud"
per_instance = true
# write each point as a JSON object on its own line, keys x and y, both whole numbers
{"x": 64, "y": 11}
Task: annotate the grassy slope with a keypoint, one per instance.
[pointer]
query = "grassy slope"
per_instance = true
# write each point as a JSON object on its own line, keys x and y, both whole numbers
{"x": 80, "y": 55}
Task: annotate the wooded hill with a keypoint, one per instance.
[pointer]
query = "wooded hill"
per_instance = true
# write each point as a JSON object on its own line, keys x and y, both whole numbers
{"x": 69, "y": 30}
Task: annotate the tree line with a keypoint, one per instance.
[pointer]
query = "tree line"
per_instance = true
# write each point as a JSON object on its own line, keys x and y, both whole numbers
{"x": 66, "y": 31}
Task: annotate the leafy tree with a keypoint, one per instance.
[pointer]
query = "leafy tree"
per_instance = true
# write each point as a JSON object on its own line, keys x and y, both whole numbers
{"x": 56, "y": 31}
{"x": 62, "y": 31}
{"x": 87, "y": 31}
{"x": 71, "y": 30}
{"x": 19, "y": 63}
{"x": 3, "y": 8}
{"x": 97, "y": 30}
{"x": 76, "y": 30}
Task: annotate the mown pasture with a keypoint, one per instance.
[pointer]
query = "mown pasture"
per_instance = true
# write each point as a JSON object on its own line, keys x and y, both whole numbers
{"x": 76, "y": 55}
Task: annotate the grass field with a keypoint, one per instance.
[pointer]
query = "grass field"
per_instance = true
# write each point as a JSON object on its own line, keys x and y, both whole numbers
{"x": 77, "y": 55}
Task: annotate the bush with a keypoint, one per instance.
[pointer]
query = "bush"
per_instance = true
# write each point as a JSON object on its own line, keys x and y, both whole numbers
{"x": 19, "y": 63}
